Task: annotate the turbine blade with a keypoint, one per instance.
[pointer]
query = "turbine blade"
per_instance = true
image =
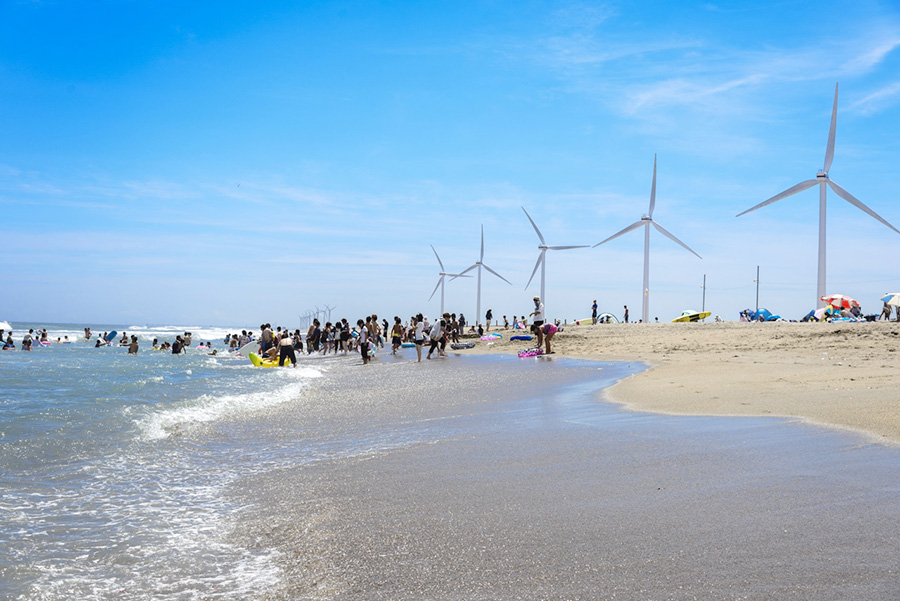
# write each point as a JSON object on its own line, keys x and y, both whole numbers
{"x": 669, "y": 235}
{"x": 537, "y": 231}
{"x": 792, "y": 190}
{"x": 482, "y": 245}
{"x": 465, "y": 271}
{"x": 829, "y": 150}
{"x": 859, "y": 205}
{"x": 653, "y": 189}
{"x": 439, "y": 260}
{"x": 457, "y": 275}
{"x": 633, "y": 226}
{"x": 565, "y": 247}
{"x": 536, "y": 265}
{"x": 440, "y": 279}
{"x": 496, "y": 274}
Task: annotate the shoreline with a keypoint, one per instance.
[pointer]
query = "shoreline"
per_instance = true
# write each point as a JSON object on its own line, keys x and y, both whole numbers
{"x": 842, "y": 376}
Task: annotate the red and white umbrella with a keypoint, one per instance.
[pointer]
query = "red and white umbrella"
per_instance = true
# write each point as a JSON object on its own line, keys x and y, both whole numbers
{"x": 840, "y": 301}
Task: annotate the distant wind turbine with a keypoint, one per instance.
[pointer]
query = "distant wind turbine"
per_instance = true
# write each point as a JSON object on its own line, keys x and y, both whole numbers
{"x": 646, "y": 221}
{"x": 478, "y": 265}
{"x": 822, "y": 179}
{"x": 443, "y": 275}
{"x": 542, "y": 259}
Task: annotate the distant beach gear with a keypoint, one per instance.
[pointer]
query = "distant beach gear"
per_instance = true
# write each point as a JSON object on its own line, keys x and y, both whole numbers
{"x": 764, "y": 313}
{"x": 531, "y": 352}
{"x": 840, "y": 301}
{"x": 691, "y": 316}
{"x": 489, "y": 337}
{"x": 822, "y": 313}
{"x": 521, "y": 337}
{"x": 456, "y": 346}
{"x": 258, "y": 361}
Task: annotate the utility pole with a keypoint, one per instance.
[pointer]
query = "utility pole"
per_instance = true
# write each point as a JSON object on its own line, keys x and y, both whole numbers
{"x": 703, "y": 308}
{"x": 757, "y": 290}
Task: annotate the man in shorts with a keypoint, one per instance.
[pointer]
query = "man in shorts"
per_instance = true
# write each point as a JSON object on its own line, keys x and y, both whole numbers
{"x": 538, "y": 315}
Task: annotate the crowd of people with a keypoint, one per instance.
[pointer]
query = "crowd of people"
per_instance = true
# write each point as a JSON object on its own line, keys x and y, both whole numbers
{"x": 340, "y": 337}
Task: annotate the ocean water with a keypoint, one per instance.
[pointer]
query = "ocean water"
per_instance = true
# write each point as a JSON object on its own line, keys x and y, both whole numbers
{"x": 110, "y": 485}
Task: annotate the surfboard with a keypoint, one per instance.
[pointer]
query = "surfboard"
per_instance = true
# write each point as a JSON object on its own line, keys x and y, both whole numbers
{"x": 111, "y": 336}
{"x": 691, "y": 316}
{"x": 250, "y": 347}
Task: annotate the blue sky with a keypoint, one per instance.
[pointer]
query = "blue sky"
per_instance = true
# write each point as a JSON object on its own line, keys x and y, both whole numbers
{"x": 217, "y": 163}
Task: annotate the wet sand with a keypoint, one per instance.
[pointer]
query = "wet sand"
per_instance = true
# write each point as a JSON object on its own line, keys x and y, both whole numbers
{"x": 840, "y": 375}
{"x": 499, "y": 478}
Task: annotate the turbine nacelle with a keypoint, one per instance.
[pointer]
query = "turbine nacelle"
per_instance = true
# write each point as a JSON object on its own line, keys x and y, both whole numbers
{"x": 822, "y": 175}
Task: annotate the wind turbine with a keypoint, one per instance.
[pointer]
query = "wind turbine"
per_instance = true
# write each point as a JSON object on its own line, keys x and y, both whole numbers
{"x": 542, "y": 260}
{"x": 646, "y": 221}
{"x": 440, "y": 283}
{"x": 822, "y": 179}
{"x": 478, "y": 265}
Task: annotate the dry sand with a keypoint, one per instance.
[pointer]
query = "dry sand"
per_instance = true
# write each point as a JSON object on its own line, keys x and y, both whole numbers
{"x": 839, "y": 375}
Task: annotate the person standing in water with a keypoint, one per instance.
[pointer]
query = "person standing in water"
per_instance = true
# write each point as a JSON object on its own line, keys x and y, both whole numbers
{"x": 363, "y": 341}
{"x": 419, "y": 335}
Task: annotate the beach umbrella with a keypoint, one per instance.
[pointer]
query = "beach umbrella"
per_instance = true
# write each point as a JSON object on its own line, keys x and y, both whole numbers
{"x": 840, "y": 301}
{"x": 891, "y": 298}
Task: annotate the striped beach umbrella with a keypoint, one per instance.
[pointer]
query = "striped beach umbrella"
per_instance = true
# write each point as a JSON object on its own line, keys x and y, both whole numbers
{"x": 841, "y": 301}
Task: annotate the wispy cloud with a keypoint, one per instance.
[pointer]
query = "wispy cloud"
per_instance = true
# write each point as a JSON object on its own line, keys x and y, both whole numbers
{"x": 877, "y": 100}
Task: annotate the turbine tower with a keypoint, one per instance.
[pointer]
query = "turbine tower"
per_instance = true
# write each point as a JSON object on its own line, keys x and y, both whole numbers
{"x": 440, "y": 283}
{"x": 646, "y": 221}
{"x": 822, "y": 179}
{"x": 478, "y": 265}
{"x": 542, "y": 259}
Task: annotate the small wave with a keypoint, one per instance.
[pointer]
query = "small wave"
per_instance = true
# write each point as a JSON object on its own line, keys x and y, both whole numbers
{"x": 207, "y": 408}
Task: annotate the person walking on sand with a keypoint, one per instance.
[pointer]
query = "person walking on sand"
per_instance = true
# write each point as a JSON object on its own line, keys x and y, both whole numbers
{"x": 594, "y": 313}
{"x": 626, "y": 313}
{"x": 538, "y": 320}
{"x": 487, "y": 320}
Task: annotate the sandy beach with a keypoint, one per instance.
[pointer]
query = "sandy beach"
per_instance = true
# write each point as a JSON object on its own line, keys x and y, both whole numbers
{"x": 839, "y": 375}
{"x": 493, "y": 477}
